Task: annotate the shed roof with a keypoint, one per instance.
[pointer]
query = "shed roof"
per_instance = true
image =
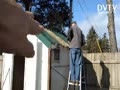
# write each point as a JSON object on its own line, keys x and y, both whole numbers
{"x": 51, "y": 39}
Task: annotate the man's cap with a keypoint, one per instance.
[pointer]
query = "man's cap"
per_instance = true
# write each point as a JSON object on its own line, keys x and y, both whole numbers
{"x": 74, "y": 22}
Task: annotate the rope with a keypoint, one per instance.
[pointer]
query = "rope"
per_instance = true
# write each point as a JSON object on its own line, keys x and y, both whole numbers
{"x": 102, "y": 55}
{"x": 99, "y": 46}
{"x": 59, "y": 73}
{"x": 6, "y": 78}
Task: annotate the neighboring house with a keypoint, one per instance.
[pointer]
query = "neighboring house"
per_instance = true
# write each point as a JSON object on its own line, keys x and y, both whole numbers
{"x": 39, "y": 69}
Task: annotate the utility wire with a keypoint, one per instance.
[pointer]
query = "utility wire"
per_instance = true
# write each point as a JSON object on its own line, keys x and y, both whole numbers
{"x": 85, "y": 13}
{"x": 84, "y": 1}
{"x": 87, "y": 17}
{"x": 98, "y": 44}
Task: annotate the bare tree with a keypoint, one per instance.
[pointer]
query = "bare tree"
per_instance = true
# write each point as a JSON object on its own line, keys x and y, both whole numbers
{"x": 111, "y": 26}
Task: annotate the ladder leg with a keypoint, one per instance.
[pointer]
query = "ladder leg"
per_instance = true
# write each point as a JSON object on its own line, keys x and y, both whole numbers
{"x": 80, "y": 85}
{"x": 80, "y": 77}
{"x": 68, "y": 81}
{"x": 84, "y": 75}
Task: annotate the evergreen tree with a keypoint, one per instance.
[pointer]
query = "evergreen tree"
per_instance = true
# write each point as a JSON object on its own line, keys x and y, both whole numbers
{"x": 104, "y": 43}
{"x": 92, "y": 46}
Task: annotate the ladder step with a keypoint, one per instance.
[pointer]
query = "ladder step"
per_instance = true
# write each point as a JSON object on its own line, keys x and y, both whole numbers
{"x": 83, "y": 82}
{"x": 71, "y": 83}
{"x": 83, "y": 77}
{"x": 74, "y": 84}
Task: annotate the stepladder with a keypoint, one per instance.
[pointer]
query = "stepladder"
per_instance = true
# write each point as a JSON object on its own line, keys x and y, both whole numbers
{"x": 81, "y": 85}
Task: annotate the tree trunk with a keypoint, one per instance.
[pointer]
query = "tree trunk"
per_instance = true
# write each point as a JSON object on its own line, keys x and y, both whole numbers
{"x": 71, "y": 4}
{"x": 111, "y": 27}
{"x": 27, "y": 4}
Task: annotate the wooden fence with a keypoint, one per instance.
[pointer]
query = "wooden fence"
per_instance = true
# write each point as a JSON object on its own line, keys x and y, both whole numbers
{"x": 102, "y": 71}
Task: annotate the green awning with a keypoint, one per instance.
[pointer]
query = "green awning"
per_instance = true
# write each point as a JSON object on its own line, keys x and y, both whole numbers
{"x": 49, "y": 41}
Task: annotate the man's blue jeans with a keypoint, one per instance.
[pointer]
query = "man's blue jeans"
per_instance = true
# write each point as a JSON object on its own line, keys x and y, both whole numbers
{"x": 75, "y": 63}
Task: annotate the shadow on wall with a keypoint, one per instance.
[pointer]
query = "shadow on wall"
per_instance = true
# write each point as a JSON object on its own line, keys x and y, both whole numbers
{"x": 91, "y": 77}
{"x": 105, "y": 80}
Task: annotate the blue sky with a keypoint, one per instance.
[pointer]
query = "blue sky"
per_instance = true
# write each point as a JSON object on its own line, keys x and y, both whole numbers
{"x": 92, "y": 12}
{"x": 89, "y": 13}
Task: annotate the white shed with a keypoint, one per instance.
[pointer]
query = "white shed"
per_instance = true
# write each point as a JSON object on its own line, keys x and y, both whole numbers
{"x": 37, "y": 69}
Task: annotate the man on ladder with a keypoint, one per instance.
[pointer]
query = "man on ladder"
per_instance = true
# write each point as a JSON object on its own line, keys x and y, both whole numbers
{"x": 75, "y": 40}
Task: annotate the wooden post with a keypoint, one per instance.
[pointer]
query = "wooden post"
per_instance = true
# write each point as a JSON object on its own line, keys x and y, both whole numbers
{"x": 111, "y": 26}
{"x": 18, "y": 73}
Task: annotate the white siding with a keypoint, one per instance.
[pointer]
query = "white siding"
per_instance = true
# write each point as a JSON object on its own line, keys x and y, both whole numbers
{"x": 30, "y": 67}
{"x": 36, "y": 68}
{"x": 42, "y": 67}
{"x": 7, "y": 71}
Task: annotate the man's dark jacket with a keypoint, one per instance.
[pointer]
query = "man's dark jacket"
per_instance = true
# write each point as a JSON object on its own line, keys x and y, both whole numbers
{"x": 74, "y": 36}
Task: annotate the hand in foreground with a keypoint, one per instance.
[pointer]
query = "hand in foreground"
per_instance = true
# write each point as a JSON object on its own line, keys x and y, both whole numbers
{"x": 15, "y": 25}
